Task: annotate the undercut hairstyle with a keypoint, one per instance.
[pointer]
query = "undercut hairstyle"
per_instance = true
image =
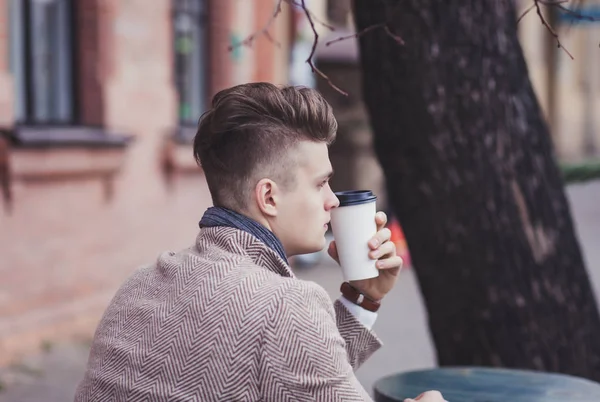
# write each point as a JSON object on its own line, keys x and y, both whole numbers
{"x": 250, "y": 132}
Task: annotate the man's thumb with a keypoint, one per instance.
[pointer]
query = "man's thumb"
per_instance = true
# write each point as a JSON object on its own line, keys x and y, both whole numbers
{"x": 332, "y": 250}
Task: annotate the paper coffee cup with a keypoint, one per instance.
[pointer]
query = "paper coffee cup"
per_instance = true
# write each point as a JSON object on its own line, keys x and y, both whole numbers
{"x": 353, "y": 225}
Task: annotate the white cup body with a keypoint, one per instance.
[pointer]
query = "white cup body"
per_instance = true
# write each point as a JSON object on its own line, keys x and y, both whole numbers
{"x": 353, "y": 226}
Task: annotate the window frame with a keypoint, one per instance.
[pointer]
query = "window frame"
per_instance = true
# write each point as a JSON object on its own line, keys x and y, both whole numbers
{"x": 21, "y": 36}
{"x": 198, "y": 10}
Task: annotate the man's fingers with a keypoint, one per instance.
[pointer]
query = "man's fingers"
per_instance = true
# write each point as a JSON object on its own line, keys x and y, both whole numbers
{"x": 389, "y": 263}
{"x": 380, "y": 237}
{"x": 387, "y": 249}
{"x": 380, "y": 220}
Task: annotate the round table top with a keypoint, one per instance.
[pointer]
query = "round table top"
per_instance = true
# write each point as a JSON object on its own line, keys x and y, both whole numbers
{"x": 476, "y": 384}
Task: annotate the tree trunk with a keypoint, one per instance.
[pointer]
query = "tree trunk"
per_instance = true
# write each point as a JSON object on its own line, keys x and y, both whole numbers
{"x": 471, "y": 175}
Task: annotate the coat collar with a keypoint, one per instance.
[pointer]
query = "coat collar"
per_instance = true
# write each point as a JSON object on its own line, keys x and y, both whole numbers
{"x": 240, "y": 242}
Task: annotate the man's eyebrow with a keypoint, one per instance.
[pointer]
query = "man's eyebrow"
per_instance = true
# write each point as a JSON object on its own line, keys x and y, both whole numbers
{"x": 327, "y": 175}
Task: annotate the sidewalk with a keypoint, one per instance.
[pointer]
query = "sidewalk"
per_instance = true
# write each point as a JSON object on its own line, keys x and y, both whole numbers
{"x": 53, "y": 375}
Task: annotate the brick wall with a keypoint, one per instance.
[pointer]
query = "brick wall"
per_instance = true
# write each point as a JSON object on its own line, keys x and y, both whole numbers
{"x": 68, "y": 243}
{"x": 219, "y": 23}
{"x": 91, "y": 61}
{"x": 65, "y": 247}
{"x": 270, "y": 55}
{"x": 6, "y": 92}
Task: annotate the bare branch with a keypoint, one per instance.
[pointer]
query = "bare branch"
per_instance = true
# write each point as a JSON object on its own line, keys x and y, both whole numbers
{"x": 393, "y": 35}
{"x": 559, "y": 5}
{"x": 548, "y": 27}
{"x": 323, "y": 23}
{"x": 525, "y": 13}
{"x": 355, "y": 35}
{"x": 314, "y": 17}
{"x": 265, "y": 31}
{"x": 310, "y": 18}
{"x": 272, "y": 40}
{"x": 366, "y": 30}
{"x": 314, "y": 48}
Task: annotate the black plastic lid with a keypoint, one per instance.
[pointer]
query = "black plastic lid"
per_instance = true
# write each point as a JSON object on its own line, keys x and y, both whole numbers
{"x": 355, "y": 197}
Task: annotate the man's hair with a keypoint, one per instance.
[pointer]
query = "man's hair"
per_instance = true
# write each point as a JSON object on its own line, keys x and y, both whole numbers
{"x": 248, "y": 132}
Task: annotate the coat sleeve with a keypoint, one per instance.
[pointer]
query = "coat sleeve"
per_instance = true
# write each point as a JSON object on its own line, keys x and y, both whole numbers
{"x": 305, "y": 356}
{"x": 361, "y": 343}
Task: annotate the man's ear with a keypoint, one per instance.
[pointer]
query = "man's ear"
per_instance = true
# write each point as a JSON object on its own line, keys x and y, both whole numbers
{"x": 267, "y": 196}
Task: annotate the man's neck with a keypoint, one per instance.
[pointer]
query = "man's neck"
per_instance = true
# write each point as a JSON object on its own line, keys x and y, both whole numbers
{"x": 223, "y": 216}
{"x": 256, "y": 216}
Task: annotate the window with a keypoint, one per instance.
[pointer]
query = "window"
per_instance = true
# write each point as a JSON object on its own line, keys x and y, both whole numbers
{"x": 189, "y": 23}
{"x": 41, "y": 59}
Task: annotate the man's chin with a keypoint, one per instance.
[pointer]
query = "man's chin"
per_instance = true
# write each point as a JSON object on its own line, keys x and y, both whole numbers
{"x": 315, "y": 248}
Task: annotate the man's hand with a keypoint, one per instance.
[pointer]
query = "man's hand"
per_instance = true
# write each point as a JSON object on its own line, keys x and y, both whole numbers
{"x": 429, "y": 396}
{"x": 388, "y": 263}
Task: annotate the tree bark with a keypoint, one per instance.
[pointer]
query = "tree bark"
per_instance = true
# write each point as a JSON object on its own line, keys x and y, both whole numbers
{"x": 472, "y": 177}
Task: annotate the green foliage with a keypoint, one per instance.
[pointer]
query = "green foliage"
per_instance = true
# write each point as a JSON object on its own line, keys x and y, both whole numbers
{"x": 580, "y": 172}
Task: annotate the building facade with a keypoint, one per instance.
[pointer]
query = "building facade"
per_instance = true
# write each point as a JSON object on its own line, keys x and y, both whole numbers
{"x": 98, "y": 102}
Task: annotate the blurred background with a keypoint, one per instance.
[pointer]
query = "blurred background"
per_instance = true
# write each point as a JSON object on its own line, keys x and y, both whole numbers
{"x": 99, "y": 101}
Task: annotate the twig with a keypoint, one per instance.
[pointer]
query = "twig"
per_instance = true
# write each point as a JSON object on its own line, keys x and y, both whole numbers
{"x": 314, "y": 69}
{"x": 318, "y": 21}
{"x": 314, "y": 48}
{"x": 314, "y": 17}
{"x": 393, "y": 35}
{"x": 355, "y": 35}
{"x": 311, "y": 17}
{"x": 366, "y": 30}
{"x": 548, "y": 27}
{"x": 271, "y": 39}
{"x": 265, "y": 31}
{"x": 525, "y": 13}
{"x": 559, "y": 5}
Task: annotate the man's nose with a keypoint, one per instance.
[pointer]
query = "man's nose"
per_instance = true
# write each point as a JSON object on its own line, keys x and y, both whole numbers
{"x": 333, "y": 200}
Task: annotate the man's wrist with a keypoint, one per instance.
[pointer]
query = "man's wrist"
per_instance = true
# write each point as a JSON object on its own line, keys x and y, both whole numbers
{"x": 357, "y": 286}
{"x": 359, "y": 298}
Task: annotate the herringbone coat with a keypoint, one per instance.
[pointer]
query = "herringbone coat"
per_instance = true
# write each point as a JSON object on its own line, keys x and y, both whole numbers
{"x": 225, "y": 320}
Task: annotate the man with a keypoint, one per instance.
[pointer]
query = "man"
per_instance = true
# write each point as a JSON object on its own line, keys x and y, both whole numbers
{"x": 226, "y": 319}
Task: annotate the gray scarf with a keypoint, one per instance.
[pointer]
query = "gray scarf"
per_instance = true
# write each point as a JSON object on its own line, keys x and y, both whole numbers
{"x": 219, "y": 216}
